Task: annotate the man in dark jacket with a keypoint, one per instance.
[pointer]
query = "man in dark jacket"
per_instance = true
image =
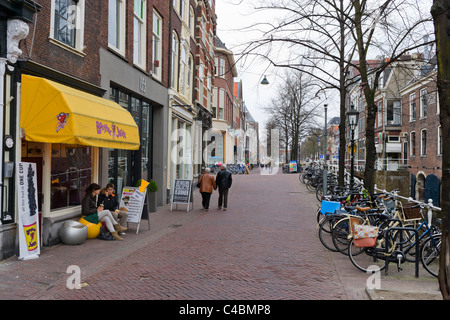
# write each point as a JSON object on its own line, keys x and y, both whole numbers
{"x": 223, "y": 181}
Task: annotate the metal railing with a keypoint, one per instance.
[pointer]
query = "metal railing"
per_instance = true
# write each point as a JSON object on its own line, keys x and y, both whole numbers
{"x": 427, "y": 205}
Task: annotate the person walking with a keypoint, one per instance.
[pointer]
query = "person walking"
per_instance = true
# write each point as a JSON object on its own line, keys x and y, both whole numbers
{"x": 207, "y": 185}
{"x": 223, "y": 181}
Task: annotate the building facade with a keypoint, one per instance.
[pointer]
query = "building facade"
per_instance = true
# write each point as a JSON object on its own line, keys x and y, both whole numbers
{"x": 223, "y": 133}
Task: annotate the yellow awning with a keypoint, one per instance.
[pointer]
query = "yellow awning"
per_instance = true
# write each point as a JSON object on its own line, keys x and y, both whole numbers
{"x": 55, "y": 113}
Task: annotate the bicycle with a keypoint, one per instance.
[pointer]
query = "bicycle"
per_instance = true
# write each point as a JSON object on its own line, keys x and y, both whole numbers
{"x": 392, "y": 247}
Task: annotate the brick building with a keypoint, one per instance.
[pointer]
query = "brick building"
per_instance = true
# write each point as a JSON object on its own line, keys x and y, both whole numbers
{"x": 224, "y": 74}
{"x": 421, "y": 134}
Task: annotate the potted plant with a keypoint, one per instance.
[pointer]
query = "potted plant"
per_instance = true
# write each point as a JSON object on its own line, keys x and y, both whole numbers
{"x": 152, "y": 189}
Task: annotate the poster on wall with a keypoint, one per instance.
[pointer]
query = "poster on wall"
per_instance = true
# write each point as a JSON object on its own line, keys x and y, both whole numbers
{"x": 132, "y": 201}
{"x": 29, "y": 242}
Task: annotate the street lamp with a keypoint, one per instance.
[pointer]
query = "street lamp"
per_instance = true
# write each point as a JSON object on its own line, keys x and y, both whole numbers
{"x": 265, "y": 81}
{"x": 352, "y": 119}
{"x": 325, "y": 173}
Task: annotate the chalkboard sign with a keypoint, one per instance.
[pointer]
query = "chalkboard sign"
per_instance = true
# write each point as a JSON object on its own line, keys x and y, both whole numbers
{"x": 181, "y": 193}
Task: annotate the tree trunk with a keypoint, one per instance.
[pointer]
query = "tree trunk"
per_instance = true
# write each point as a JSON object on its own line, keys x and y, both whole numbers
{"x": 371, "y": 155}
{"x": 441, "y": 13}
{"x": 343, "y": 89}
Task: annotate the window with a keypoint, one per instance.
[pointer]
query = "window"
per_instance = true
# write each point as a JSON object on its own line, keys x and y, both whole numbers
{"x": 116, "y": 25}
{"x": 176, "y": 5}
{"x": 215, "y": 101}
{"x": 412, "y": 144}
{"x": 412, "y": 107}
{"x": 174, "y": 63}
{"x": 380, "y": 114}
{"x": 393, "y": 113}
{"x": 221, "y": 103}
{"x": 423, "y": 103}
{"x": 189, "y": 77}
{"x": 139, "y": 36}
{"x": 423, "y": 142}
{"x": 439, "y": 142}
{"x": 183, "y": 10}
{"x": 222, "y": 67}
{"x": 71, "y": 169}
{"x": 183, "y": 67}
{"x": 67, "y": 23}
{"x": 157, "y": 45}
{"x": 191, "y": 21}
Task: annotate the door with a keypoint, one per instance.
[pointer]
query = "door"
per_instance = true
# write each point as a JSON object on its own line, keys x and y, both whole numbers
{"x": 432, "y": 186}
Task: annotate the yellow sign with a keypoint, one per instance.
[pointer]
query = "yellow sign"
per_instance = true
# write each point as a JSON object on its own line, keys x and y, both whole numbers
{"x": 143, "y": 185}
{"x": 31, "y": 235}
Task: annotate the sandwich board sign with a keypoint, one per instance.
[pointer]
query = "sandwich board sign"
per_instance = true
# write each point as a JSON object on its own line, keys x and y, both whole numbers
{"x": 181, "y": 194}
{"x": 132, "y": 201}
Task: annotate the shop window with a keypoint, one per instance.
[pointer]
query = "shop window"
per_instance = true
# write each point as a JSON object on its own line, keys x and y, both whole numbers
{"x": 71, "y": 171}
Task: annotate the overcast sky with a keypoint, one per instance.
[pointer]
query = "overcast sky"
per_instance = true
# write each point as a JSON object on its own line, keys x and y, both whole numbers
{"x": 233, "y": 20}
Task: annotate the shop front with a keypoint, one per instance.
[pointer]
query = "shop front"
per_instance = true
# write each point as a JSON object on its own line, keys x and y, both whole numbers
{"x": 62, "y": 130}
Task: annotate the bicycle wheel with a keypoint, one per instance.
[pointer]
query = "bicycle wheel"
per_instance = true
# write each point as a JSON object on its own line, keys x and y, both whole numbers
{"x": 310, "y": 186}
{"x": 341, "y": 235}
{"x": 319, "y": 192}
{"x": 365, "y": 259}
{"x": 430, "y": 254}
{"x": 325, "y": 228}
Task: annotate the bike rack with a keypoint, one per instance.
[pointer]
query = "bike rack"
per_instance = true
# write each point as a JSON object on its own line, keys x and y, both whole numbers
{"x": 416, "y": 235}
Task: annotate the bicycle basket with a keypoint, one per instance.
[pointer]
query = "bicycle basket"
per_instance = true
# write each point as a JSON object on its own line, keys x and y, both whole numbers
{"x": 329, "y": 207}
{"x": 412, "y": 211}
{"x": 364, "y": 236}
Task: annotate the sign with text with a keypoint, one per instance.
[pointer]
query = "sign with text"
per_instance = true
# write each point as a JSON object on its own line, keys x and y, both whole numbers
{"x": 29, "y": 242}
{"x": 181, "y": 193}
{"x": 132, "y": 200}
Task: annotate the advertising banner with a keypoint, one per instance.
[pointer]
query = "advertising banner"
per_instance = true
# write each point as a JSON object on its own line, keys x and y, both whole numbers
{"x": 292, "y": 166}
{"x": 29, "y": 242}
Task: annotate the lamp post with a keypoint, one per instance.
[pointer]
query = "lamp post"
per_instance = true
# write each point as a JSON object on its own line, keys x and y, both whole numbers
{"x": 324, "y": 183}
{"x": 264, "y": 81}
{"x": 352, "y": 119}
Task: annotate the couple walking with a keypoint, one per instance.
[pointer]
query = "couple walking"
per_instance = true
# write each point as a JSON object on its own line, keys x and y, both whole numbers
{"x": 208, "y": 184}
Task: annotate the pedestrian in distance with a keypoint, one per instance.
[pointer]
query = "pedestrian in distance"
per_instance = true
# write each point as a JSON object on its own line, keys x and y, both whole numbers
{"x": 207, "y": 185}
{"x": 95, "y": 213}
{"x": 223, "y": 180}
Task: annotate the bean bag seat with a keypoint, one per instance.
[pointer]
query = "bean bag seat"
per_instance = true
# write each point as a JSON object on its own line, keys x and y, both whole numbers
{"x": 73, "y": 232}
{"x": 93, "y": 229}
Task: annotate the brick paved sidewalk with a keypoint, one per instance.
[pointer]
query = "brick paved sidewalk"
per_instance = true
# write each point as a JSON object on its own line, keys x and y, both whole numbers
{"x": 264, "y": 247}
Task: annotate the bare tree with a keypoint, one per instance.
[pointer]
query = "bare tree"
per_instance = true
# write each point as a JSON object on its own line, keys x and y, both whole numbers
{"x": 314, "y": 36}
{"x": 294, "y": 109}
{"x": 441, "y": 13}
{"x": 391, "y": 30}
